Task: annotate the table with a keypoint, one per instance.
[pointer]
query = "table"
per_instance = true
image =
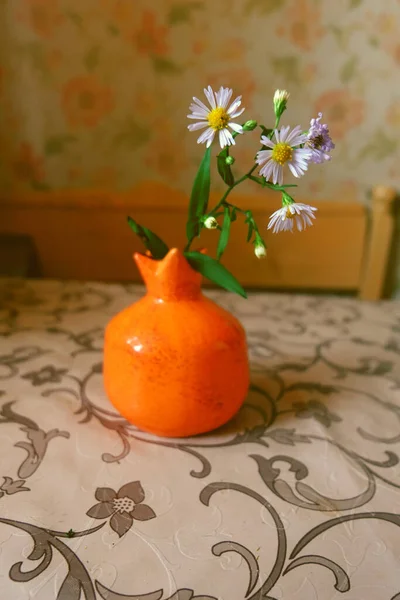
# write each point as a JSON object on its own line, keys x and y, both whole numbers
{"x": 297, "y": 498}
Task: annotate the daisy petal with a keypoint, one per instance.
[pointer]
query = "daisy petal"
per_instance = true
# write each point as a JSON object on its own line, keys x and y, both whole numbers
{"x": 230, "y": 137}
{"x": 283, "y": 134}
{"x": 237, "y": 113}
{"x": 267, "y": 142}
{"x": 223, "y": 97}
{"x": 197, "y": 116}
{"x": 206, "y": 135}
{"x": 197, "y": 126}
{"x": 209, "y": 94}
{"x": 298, "y": 140}
{"x": 294, "y": 133}
{"x": 295, "y": 170}
{"x": 200, "y": 104}
{"x": 210, "y": 139}
{"x": 262, "y": 156}
{"x": 267, "y": 169}
{"x": 197, "y": 110}
{"x": 236, "y": 127}
{"x": 235, "y": 104}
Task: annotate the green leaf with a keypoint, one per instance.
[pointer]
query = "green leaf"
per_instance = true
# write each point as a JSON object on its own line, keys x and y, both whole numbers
{"x": 260, "y": 180}
{"x": 266, "y": 131}
{"x": 223, "y": 169}
{"x": 199, "y": 196}
{"x": 250, "y": 232}
{"x": 279, "y": 188}
{"x": 164, "y": 65}
{"x": 272, "y": 186}
{"x": 224, "y": 237}
{"x": 91, "y": 59}
{"x": 57, "y": 143}
{"x": 180, "y": 12}
{"x": 152, "y": 242}
{"x": 233, "y": 215}
{"x": 348, "y": 70}
{"x": 214, "y": 271}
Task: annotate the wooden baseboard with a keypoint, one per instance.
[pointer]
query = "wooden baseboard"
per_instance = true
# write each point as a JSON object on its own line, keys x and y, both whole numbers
{"x": 83, "y": 235}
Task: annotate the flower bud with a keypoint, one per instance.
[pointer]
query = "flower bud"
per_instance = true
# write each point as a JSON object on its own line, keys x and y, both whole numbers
{"x": 250, "y": 125}
{"x": 260, "y": 250}
{"x": 280, "y": 100}
{"x": 211, "y": 223}
{"x": 229, "y": 160}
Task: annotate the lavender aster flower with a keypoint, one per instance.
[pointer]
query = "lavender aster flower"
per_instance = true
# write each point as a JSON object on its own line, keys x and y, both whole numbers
{"x": 281, "y": 151}
{"x": 294, "y": 213}
{"x": 319, "y": 141}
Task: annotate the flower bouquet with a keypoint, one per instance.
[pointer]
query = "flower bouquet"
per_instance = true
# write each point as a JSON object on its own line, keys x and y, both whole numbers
{"x": 176, "y": 363}
{"x": 280, "y": 147}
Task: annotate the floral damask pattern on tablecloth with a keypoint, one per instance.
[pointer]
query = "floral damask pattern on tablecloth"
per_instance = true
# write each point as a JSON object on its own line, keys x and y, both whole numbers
{"x": 297, "y": 497}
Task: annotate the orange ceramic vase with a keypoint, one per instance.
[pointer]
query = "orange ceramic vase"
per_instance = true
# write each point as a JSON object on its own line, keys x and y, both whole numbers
{"x": 175, "y": 363}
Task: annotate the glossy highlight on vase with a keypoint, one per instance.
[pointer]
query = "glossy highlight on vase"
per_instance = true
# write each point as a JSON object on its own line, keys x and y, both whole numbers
{"x": 175, "y": 363}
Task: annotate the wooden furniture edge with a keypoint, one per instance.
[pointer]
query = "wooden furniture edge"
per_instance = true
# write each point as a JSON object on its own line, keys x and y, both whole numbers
{"x": 154, "y": 196}
{"x": 158, "y": 203}
{"x": 380, "y": 240}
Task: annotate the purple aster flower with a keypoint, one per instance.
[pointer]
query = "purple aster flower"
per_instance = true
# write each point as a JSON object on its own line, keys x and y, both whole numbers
{"x": 319, "y": 141}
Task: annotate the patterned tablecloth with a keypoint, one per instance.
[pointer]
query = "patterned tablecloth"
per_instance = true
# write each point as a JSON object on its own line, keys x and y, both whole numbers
{"x": 296, "y": 499}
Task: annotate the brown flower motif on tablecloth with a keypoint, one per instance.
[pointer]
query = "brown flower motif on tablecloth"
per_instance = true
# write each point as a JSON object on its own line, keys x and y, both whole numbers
{"x": 47, "y": 374}
{"x": 11, "y": 486}
{"x": 123, "y": 507}
{"x": 314, "y": 409}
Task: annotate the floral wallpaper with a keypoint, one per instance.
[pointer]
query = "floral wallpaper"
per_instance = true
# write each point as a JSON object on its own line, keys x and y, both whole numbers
{"x": 95, "y": 93}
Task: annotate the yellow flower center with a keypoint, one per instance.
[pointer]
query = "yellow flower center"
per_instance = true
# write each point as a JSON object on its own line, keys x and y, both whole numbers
{"x": 289, "y": 214}
{"x": 218, "y": 118}
{"x": 282, "y": 153}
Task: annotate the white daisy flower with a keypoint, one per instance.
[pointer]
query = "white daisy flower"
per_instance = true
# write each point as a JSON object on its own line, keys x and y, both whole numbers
{"x": 283, "y": 151}
{"x": 284, "y": 218}
{"x": 217, "y": 118}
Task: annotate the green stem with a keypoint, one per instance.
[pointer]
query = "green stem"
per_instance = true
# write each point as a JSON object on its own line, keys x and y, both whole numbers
{"x": 246, "y": 213}
{"x": 230, "y": 188}
{"x": 223, "y": 202}
{"x": 246, "y": 176}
